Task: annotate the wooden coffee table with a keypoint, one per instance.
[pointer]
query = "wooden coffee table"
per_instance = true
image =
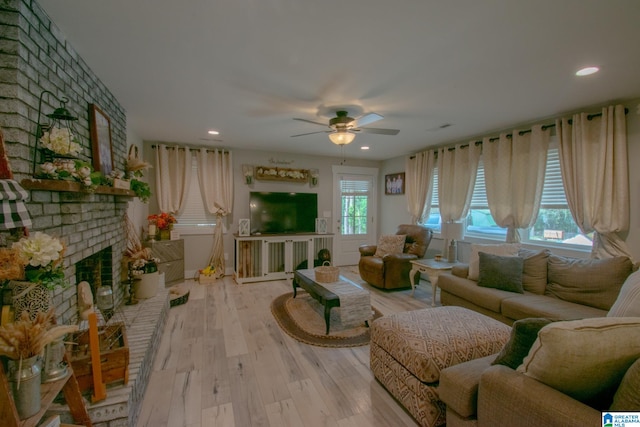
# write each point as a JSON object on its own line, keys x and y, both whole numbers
{"x": 353, "y": 301}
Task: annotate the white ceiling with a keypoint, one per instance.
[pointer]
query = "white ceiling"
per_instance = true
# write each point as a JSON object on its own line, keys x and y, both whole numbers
{"x": 247, "y": 68}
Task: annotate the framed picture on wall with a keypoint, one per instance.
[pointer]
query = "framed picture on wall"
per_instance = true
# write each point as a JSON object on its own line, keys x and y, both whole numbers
{"x": 394, "y": 183}
{"x": 102, "y": 150}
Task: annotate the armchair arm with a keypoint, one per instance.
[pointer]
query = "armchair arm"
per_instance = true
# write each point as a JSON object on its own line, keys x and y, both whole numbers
{"x": 399, "y": 258}
{"x": 367, "y": 250}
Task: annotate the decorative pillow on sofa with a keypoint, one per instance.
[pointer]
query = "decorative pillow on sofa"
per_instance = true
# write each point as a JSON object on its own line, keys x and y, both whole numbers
{"x": 534, "y": 273}
{"x": 628, "y": 302}
{"x": 390, "y": 244}
{"x": 585, "y": 359}
{"x": 592, "y": 282}
{"x": 523, "y": 334}
{"x": 504, "y": 249}
{"x": 500, "y": 272}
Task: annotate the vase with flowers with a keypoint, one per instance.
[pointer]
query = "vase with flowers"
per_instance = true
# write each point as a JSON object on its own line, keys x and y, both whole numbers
{"x": 144, "y": 269}
{"x": 163, "y": 223}
{"x": 23, "y": 342}
{"x": 42, "y": 258}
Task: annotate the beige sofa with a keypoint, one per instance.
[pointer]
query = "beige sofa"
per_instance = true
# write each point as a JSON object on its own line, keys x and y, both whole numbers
{"x": 555, "y": 287}
{"x": 480, "y": 393}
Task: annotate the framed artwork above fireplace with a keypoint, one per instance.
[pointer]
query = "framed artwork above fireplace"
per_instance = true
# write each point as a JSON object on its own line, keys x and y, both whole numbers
{"x": 102, "y": 150}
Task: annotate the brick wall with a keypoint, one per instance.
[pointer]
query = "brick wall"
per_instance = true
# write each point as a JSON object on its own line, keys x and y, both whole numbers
{"x": 35, "y": 56}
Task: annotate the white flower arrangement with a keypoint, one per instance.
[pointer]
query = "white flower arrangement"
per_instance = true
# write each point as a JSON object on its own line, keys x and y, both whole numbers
{"x": 39, "y": 250}
{"x": 70, "y": 170}
{"x": 42, "y": 254}
{"x": 60, "y": 141}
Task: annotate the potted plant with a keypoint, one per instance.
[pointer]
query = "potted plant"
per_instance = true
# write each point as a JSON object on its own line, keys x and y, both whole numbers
{"x": 164, "y": 223}
{"x": 144, "y": 269}
{"x": 42, "y": 258}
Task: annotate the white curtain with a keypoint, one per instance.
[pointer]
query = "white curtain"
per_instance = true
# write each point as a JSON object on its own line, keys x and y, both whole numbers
{"x": 514, "y": 170}
{"x": 594, "y": 165}
{"x": 215, "y": 174}
{"x": 457, "y": 169}
{"x": 173, "y": 173}
{"x": 419, "y": 184}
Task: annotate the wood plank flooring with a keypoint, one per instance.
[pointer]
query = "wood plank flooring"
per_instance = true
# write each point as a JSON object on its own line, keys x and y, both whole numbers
{"x": 223, "y": 361}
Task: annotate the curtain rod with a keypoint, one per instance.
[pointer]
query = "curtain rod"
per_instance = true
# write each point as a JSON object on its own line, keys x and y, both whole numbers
{"x": 193, "y": 149}
{"x": 523, "y": 132}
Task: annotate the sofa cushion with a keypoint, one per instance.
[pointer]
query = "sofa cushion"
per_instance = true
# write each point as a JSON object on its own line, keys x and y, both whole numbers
{"x": 531, "y": 305}
{"x": 524, "y": 333}
{"x": 628, "y": 302}
{"x": 458, "y": 386}
{"x": 500, "y": 272}
{"x": 488, "y": 298}
{"x": 428, "y": 340}
{"x": 534, "y": 272}
{"x": 390, "y": 244}
{"x": 627, "y": 397}
{"x": 585, "y": 359}
{"x": 592, "y": 282}
{"x": 505, "y": 249}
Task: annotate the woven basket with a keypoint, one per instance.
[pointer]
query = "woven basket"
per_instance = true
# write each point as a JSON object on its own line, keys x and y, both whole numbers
{"x": 326, "y": 273}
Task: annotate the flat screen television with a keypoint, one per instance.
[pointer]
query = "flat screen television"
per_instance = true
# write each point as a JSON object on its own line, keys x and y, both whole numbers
{"x": 278, "y": 213}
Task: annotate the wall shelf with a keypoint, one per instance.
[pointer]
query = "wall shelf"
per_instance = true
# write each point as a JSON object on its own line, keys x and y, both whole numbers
{"x": 73, "y": 187}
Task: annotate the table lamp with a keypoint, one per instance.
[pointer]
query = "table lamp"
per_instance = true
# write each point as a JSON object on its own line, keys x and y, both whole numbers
{"x": 452, "y": 231}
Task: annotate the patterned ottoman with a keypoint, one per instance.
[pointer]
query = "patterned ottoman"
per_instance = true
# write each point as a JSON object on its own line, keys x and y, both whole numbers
{"x": 408, "y": 351}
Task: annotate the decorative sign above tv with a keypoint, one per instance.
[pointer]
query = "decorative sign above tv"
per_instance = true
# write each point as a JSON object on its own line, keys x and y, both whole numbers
{"x": 269, "y": 173}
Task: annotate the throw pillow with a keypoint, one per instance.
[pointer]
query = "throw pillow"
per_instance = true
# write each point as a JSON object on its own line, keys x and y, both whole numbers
{"x": 627, "y": 397}
{"x": 505, "y": 249}
{"x": 585, "y": 359}
{"x": 592, "y": 282}
{"x": 534, "y": 273}
{"x": 628, "y": 302}
{"x": 523, "y": 334}
{"x": 500, "y": 272}
{"x": 390, "y": 244}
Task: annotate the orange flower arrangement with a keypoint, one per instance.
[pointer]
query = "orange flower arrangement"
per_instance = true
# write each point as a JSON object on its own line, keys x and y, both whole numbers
{"x": 164, "y": 221}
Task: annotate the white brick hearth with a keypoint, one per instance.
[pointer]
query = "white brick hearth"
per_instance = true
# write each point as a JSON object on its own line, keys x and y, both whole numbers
{"x": 145, "y": 323}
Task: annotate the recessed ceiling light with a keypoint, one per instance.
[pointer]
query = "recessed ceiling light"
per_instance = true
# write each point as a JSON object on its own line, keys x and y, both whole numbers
{"x": 587, "y": 71}
{"x": 364, "y": 147}
{"x": 213, "y": 132}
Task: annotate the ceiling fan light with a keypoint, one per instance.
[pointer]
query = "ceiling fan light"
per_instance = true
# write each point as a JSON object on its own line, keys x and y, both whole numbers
{"x": 342, "y": 138}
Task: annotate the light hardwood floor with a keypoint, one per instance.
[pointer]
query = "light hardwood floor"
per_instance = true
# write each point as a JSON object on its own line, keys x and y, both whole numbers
{"x": 223, "y": 361}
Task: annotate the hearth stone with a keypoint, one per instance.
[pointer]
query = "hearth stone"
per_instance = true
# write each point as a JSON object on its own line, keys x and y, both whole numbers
{"x": 145, "y": 323}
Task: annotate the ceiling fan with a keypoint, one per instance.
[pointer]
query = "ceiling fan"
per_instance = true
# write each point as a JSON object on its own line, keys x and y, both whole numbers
{"x": 342, "y": 127}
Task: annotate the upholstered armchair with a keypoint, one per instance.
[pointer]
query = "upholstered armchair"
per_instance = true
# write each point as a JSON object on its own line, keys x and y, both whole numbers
{"x": 391, "y": 270}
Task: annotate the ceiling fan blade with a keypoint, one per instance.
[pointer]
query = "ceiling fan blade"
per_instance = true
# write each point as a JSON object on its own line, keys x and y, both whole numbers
{"x": 367, "y": 119}
{"x": 311, "y": 121}
{"x": 311, "y": 133}
{"x": 378, "y": 131}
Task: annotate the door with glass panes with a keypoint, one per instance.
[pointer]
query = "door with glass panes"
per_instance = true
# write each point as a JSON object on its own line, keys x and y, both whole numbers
{"x": 354, "y": 212}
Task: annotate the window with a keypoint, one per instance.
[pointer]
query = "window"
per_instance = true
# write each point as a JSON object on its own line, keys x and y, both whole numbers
{"x": 355, "y": 200}
{"x": 195, "y": 219}
{"x": 433, "y": 222}
{"x": 554, "y": 224}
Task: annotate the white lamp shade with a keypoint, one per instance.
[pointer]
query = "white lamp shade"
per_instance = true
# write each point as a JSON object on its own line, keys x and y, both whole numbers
{"x": 342, "y": 138}
{"x": 453, "y": 230}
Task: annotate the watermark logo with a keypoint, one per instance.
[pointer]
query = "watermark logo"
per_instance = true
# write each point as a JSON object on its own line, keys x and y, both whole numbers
{"x": 621, "y": 419}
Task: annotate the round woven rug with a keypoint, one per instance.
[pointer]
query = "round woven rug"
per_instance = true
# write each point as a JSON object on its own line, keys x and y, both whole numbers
{"x": 302, "y": 318}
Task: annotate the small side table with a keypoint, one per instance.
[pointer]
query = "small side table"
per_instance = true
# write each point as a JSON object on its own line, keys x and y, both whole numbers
{"x": 433, "y": 269}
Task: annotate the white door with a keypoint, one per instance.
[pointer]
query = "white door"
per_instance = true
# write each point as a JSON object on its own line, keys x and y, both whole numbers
{"x": 354, "y": 209}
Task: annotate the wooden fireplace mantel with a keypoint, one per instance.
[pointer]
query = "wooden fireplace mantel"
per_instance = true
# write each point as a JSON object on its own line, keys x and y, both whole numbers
{"x": 72, "y": 187}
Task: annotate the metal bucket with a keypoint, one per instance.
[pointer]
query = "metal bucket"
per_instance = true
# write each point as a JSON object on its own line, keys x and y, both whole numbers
{"x": 25, "y": 384}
